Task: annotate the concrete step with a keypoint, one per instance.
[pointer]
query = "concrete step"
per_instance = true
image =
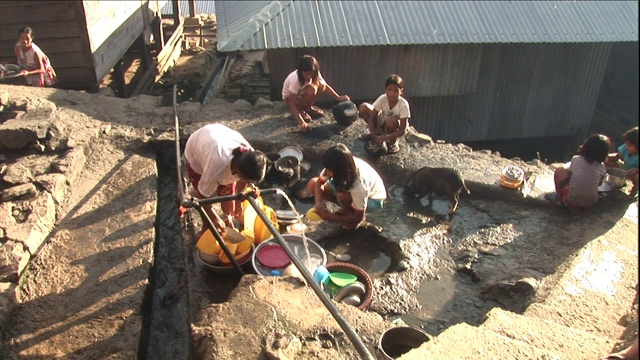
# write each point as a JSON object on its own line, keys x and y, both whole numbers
{"x": 463, "y": 341}
{"x": 598, "y": 286}
{"x": 569, "y": 343}
{"x": 579, "y": 318}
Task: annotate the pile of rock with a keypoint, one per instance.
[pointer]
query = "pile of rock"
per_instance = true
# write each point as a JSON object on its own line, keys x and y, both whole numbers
{"x": 41, "y": 157}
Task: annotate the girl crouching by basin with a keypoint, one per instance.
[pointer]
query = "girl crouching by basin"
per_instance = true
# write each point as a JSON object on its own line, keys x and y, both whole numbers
{"x": 218, "y": 158}
{"x": 349, "y": 182}
{"x": 577, "y": 182}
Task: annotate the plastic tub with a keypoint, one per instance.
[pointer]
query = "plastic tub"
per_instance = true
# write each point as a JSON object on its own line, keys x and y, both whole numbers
{"x": 294, "y": 242}
{"x": 226, "y": 268}
{"x": 362, "y": 276}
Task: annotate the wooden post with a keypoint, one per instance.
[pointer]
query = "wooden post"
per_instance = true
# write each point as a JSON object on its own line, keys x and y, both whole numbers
{"x": 192, "y": 8}
{"x": 158, "y": 33}
{"x": 176, "y": 12}
{"x": 118, "y": 78}
{"x": 145, "y": 57}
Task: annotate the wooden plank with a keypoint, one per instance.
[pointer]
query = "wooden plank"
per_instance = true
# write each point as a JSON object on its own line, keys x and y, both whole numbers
{"x": 83, "y": 40}
{"x": 49, "y": 46}
{"x": 173, "y": 42}
{"x": 147, "y": 80}
{"x": 55, "y": 29}
{"x": 71, "y": 59}
{"x": 171, "y": 59}
{"x": 9, "y": 4}
{"x": 116, "y": 45}
{"x": 32, "y": 13}
{"x": 103, "y": 14}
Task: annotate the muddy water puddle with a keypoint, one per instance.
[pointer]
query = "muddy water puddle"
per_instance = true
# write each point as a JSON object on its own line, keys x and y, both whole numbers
{"x": 369, "y": 251}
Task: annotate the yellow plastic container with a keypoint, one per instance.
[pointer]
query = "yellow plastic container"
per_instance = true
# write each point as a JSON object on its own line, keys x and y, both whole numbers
{"x": 245, "y": 244}
{"x": 313, "y": 215}
{"x": 261, "y": 231}
{"x": 208, "y": 244}
{"x": 232, "y": 248}
{"x": 249, "y": 216}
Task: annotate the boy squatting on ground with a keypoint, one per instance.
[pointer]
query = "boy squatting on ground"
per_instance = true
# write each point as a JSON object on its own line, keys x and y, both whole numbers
{"x": 627, "y": 158}
{"x": 388, "y": 116}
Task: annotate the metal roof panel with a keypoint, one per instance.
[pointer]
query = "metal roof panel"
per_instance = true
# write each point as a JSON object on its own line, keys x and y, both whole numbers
{"x": 253, "y": 25}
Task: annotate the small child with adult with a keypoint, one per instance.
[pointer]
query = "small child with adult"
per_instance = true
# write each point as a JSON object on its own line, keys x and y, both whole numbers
{"x": 627, "y": 158}
{"x": 351, "y": 183}
{"x": 387, "y": 118}
{"x": 217, "y": 158}
{"x": 36, "y": 66}
{"x": 577, "y": 182}
{"x": 303, "y": 87}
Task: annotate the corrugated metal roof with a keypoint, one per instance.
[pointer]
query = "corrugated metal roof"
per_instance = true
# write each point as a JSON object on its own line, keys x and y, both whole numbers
{"x": 254, "y": 25}
{"x": 202, "y": 7}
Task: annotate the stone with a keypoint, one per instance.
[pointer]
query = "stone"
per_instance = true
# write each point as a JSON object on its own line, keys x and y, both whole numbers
{"x": 71, "y": 164}
{"x": 55, "y": 184}
{"x": 484, "y": 151}
{"x": 19, "y": 133}
{"x": 22, "y": 192}
{"x": 38, "y": 109}
{"x": 18, "y": 173}
{"x": 37, "y": 147}
{"x": 8, "y": 300}
{"x": 26, "y": 168}
{"x": 4, "y": 98}
{"x": 243, "y": 106}
{"x": 56, "y": 138}
{"x": 463, "y": 147}
{"x": 13, "y": 259}
{"x": 262, "y": 103}
{"x": 38, "y": 225}
{"x": 281, "y": 346}
{"x": 6, "y": 216}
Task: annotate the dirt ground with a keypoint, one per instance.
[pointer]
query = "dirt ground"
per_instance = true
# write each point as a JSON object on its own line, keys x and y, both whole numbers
{"x": 81, "y": 297}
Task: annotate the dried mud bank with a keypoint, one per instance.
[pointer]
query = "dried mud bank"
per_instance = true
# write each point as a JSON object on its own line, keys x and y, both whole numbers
{"x": 116, "y": 138}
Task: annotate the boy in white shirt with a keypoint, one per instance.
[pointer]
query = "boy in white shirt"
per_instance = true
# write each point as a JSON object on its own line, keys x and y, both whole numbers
{"x": 388, "y": 116}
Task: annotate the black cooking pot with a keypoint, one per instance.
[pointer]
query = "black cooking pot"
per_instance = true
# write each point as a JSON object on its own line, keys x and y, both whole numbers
{"x": 345, "y": 112}
{"x": 300, "y": 190}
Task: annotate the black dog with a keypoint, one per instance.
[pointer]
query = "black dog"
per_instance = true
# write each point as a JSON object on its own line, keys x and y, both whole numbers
{"x": 441, "y": 181}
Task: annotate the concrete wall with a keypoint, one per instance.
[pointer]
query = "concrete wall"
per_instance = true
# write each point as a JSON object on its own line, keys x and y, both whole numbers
{"x": 470, "y": 92}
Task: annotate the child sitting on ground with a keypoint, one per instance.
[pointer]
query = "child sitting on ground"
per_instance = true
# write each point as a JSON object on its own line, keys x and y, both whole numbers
{"x": 577, "y": 182}
{"x": 349, "y": 182}
{"x": 628, "y": 155}
{"x": 388, "y": 116}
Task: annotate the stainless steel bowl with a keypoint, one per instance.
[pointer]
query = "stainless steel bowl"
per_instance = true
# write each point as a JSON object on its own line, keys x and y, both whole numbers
{"x": 616, "y": 177}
